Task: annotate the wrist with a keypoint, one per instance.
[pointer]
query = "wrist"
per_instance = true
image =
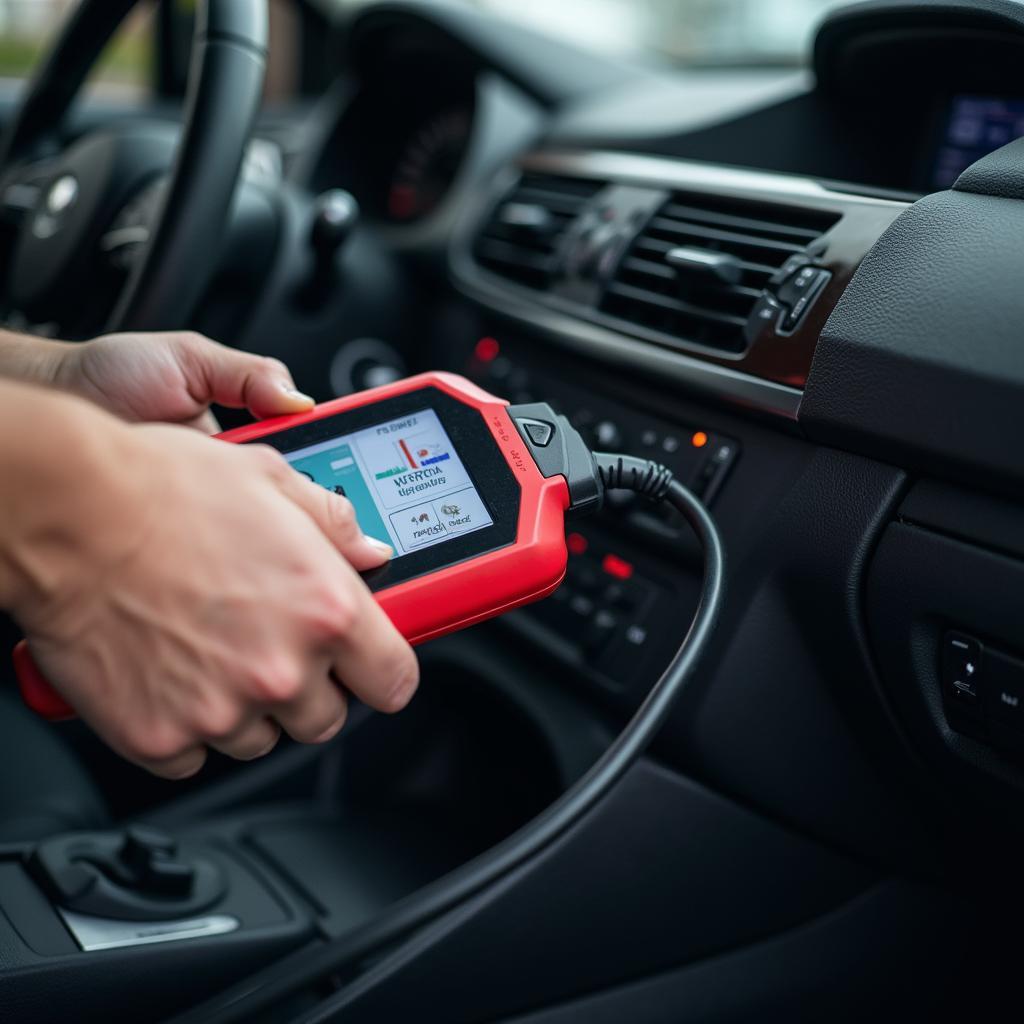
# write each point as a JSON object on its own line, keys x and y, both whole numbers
{"x": 33, "y": 360}
{"x": 60, "y": 458}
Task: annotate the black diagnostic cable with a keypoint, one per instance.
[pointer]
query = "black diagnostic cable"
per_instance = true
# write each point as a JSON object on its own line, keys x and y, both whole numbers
{"x": 315, "y": 962}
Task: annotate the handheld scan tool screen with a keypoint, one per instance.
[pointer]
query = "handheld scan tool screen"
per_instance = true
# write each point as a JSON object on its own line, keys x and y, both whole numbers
{"x": 405, "y": 479}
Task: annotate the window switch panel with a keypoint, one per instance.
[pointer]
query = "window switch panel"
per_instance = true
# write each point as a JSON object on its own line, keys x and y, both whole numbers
{"x": 961, "y": 658}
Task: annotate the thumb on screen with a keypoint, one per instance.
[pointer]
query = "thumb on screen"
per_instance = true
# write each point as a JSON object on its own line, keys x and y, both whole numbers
{"x": 336, "y": 517}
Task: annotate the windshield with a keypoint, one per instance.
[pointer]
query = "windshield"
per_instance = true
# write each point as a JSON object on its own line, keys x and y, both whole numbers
{"x": 688, "y": 33}
{"x": 682, "y": 32}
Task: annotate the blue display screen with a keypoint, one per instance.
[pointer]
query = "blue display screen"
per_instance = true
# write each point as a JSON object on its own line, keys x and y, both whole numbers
{"x": 406, "y": 481}
{"x": 974, "y": 126}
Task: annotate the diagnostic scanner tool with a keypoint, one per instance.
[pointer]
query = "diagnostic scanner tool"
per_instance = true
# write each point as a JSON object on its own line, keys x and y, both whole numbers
{"x": 470, "y": 492}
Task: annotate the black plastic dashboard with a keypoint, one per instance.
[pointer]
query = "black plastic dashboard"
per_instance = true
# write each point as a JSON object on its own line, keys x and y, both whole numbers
{"x": 674, "y": 249}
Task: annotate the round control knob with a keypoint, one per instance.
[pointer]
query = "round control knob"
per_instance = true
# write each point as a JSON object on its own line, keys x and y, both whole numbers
{"x": 607, "y": 436}
{"x": 365, "y": 363}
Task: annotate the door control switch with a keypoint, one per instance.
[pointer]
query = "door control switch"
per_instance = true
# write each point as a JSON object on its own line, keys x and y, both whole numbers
{"x": 961, "y": 667}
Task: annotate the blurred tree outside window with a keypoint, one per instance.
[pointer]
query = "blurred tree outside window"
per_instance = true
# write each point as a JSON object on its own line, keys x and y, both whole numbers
{"x": 27, "y": 29}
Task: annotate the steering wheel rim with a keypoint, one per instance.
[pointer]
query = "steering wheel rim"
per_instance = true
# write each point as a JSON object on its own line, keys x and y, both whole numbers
{"x": 223, "y": 93}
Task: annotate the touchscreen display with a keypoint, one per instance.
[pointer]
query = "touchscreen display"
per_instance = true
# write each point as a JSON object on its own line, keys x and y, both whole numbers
{"x": 974, "y": 126}
{"x": 404, "y": 477}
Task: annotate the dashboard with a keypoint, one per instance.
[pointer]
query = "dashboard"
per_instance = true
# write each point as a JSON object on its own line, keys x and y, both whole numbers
{"x": 807, "y": 302}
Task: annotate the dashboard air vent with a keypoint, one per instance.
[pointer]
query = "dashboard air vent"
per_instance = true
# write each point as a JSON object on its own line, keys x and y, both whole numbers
{"x": 521, "y": 237}
{"x": 694, "y": 272}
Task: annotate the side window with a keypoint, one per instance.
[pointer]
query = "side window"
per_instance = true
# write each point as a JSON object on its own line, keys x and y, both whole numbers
{"x": 302, "y": 58}
{"x": 150, "y": 52}
{"x": 28, "y": 27}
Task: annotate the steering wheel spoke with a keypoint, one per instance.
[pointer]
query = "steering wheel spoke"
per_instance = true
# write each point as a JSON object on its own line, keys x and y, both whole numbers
{"x": 21, "y": 187}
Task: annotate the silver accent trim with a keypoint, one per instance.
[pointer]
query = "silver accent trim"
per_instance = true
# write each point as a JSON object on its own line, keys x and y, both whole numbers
{"x": 62, "y": 194}
{"x": 566, "y": 325}
{"x": 664, "y": 172}
{"x": 722, "y": 265}
{"x": 135, "y": 235}
{"x": 94, "y": 933}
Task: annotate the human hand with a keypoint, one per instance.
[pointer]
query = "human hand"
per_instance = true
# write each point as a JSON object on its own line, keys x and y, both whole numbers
{"x": 186, "y": 593}
{"x": 173, "y": 377}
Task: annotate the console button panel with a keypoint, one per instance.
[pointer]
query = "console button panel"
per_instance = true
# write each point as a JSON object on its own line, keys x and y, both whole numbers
{"x": 699, "y": 457}
{"x": 616, "y": 619}
{"x": 790, "y": 293}
{"x": 633, "y": 578}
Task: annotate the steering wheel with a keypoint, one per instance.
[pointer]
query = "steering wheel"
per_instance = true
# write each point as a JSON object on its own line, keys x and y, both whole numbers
{"x": 103, "y": 217}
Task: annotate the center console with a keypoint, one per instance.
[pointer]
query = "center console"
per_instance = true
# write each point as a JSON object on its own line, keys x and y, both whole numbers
{"x": 141, "y": 921}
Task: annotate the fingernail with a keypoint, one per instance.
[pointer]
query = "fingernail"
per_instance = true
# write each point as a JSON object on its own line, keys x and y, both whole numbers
{"x": 293, "y": 392}
{"x": 331, "y": 731}
{"x": 379, "y": 545}
{"x": 401, "y": 695}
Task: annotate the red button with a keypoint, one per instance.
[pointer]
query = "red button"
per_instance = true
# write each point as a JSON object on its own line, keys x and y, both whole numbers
{"x": 576, "y": 543}
{"x": 487, "y": 350}
{"x": 617, "y": 567}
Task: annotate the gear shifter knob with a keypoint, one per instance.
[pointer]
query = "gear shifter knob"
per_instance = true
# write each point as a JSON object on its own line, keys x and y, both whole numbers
{"x": 137, "y": 874}
{"x": 335, "y": 213}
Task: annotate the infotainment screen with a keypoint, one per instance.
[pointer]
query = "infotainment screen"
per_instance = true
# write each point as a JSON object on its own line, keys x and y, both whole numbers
{"x": 972, "y": 127}
{"x": 404, "y": 477}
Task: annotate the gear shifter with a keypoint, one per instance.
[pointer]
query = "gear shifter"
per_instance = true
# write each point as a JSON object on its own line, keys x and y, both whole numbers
{"x": 137, "y": 874}
{"x": 335, "y": 213}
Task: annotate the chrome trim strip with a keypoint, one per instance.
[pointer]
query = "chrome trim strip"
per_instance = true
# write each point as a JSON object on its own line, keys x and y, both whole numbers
{"x": 94, "y": 933}
{"x": 665, "y": 172}
{"x": 541, "y": 310}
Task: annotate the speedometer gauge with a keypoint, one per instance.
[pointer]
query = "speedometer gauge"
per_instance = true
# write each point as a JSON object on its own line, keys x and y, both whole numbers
{"x": 428, "y": 163}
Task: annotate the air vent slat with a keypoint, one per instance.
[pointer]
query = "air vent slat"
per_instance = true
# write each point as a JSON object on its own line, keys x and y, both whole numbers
{"x": 664, "y": 273}
{"x": 520, "y": 248}
{"x": 649, "y": 267}
{"x": 674, "y": 305}
{"x": 682, "y": 229}
{"x": 556, "y": 202}
{"x": 677, "y": 211}
{"x": 514, "y": 255}
{"x": 509, "y": 236}
{"x": 659, "y": 248}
